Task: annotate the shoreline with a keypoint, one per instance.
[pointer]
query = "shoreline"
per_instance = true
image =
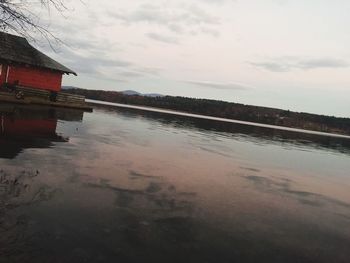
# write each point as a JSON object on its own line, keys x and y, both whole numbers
{"x": 199, "y": 116}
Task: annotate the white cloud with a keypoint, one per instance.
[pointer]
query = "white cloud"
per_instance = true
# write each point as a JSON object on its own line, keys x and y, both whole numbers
{"x": 286, "y": 64}
{"x": 163, "y": 38}
{"x": 179, "y": 19}
{"x": 218, "y": 85}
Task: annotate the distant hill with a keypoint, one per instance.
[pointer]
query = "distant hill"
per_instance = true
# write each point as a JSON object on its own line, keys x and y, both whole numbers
{"x": 153, "y": 95}
{"x": 131, "y": 93}
{"x": 135, "y": 93}
{"x": 68, "y": 87}
{"x": 125, "y": 92}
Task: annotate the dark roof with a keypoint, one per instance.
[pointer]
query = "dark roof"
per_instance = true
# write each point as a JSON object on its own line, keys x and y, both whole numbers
{"x": 16, "y": 49}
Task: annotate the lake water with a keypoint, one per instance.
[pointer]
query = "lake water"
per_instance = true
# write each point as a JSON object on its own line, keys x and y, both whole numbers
{"x": 127, "y": 185}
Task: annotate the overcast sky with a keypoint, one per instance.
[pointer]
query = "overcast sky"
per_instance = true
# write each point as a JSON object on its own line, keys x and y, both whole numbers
{"x": 291, "y": 54}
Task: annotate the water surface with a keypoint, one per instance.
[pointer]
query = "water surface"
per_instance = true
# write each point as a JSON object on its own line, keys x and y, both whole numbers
{"x": 126, "y": 185}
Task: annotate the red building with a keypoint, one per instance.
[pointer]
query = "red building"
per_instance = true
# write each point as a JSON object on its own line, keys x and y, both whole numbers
{"x": 24, "y": 65}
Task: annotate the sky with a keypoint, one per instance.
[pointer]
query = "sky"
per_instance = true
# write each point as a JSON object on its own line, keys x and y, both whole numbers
{"x": 289, "y": 54}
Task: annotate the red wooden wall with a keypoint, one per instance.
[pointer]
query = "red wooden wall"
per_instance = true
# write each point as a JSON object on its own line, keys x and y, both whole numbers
{"x": 2, "y": 74}
{"x": 35, "y": 77}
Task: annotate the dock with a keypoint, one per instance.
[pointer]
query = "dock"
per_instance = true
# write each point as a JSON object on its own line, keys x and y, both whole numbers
{"x": 44, "y": 97}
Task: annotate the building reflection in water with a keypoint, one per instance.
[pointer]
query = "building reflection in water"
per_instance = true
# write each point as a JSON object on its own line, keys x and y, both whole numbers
{"x": 23, "y": 127}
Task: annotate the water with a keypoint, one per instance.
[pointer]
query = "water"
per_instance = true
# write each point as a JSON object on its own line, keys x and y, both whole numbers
{"x": 127, "y": 185}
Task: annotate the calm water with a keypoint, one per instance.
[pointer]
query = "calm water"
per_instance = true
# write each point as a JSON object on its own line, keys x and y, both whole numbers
{"x": 126, "y": 185}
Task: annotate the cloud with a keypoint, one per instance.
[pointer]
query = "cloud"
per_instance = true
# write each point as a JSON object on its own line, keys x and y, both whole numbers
{"x": 179, "y": 19}
{"x": 101, "y": 67}
{"x": 163, "y": 38}
{"x": 213, "y": 85}
{"x": 95, "y": 49}
{"x": 216, "y": 2}
{"x": 89, "y": 64}
{"x": 323, "y": 63}
{"x": 210, "y": 31}
{"x": 272, "y": 66}
{"x": 150, "y": 71}
{"x": 129, "y": 74}
{"x": 286, "y": 64}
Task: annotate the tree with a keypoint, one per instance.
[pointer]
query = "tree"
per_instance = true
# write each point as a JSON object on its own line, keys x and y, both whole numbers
{"x": 22, "y": 17}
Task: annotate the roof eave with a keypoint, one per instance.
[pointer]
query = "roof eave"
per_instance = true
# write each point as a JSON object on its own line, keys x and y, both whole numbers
{"x": 71, "y": 72}
{"x": 9, "y": 61}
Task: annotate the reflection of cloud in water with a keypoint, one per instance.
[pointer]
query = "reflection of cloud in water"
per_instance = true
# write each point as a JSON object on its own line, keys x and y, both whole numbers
{"x": 149, "y": 214}
{"x": 285, "y": 186}
{"x": 251, "y": 169}
{"x": 156, "y": 198}
{"x": 207, "y": 149}
{"x": 137, "y": 175}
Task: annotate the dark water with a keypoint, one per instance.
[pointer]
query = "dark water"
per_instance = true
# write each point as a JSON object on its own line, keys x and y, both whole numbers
{"x": 124, "y": 185}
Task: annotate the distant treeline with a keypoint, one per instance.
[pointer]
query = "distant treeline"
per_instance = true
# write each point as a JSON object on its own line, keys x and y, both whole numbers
{"x": 228, "y": 110}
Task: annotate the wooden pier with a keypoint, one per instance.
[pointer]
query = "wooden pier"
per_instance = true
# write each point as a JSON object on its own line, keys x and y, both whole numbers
{"x": 25, "y": 95}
